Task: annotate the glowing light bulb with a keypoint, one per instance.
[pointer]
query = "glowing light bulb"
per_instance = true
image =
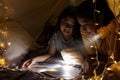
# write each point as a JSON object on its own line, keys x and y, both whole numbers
{"x": 92, "y": 58}
{"x": 108, "y": 68}
{"x": 118, "y": 31}
{"x": 91, "y": 46}
{"x": 9, "y": 43}
{"x": 2, "y": 45}
{"x": 101, "y": 78}
{"x": 3, "y": 62}
{"x": 96, "y": 24}
{"x": 115, "y": 62}
{"x": 97, "y": 11}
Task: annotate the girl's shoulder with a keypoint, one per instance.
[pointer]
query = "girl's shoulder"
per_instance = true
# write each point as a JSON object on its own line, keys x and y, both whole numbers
{"x": 57, "y": 34}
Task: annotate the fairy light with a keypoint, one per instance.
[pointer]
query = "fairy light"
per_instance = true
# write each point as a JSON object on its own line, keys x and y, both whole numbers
{"x": 111, "y": 57}
{"x": 117, "y": 31}
{"x": 98, "y": 63}
{"x": 3, "y": 62}
{"x": 91, "y": 46}
{"x": 4, "y": 44}
{"x": 9, "y": 43}
{"x": 97, "y": 11}
{"x": 95, "y": 45}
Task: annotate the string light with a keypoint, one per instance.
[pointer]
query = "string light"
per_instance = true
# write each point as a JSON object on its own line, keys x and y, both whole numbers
{"x": 4, "y": 44}
{"x": 111, "y": 57}
{"x": 95, "y": 45}
{"x": 3, "y": 62}
{"x": 97, "y": 11}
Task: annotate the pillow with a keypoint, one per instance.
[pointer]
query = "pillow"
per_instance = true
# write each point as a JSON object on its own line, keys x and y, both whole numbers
{"x": 20, "y": 40}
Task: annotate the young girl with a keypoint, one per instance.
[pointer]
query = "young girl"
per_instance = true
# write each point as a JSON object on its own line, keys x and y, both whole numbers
{"x": 66, "y": 38}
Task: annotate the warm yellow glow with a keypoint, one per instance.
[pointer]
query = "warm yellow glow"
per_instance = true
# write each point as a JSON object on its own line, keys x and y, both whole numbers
{"x": 96, "y": 78}
{"x": 91, "y": 46}
{"x": 115, "y": 62}
{"x": 114, "y": 6}
{"x": 2, "y": 45}
{"x": 118, "y": 32}
{"x": 118, "y": 38}
{"x": 112, "y": 56}
{"x": 108, "y": 68}
{"x": 4, "y": 33}
{"x": 119, "y": 6}
{"x": 92, "y": 58}
{"x": 3, "y": 62}
{"x": 3, "y": 36}
{"x": 9, "y": 43}
{"x": 97, "y": 23}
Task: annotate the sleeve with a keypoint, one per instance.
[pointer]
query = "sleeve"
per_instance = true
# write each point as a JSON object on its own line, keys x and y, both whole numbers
{"x": 52, "y": 41}
{"x": 106, "y": 30}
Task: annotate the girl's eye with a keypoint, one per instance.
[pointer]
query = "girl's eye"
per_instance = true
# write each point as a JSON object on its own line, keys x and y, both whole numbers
{"x": 66, "y": 24}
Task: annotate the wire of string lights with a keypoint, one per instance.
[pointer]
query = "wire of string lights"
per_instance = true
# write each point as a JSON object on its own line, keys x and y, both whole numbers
{"x": 111, "y": 56}
{"x": 95, "y": 46}
{"x": 117, "y": 36}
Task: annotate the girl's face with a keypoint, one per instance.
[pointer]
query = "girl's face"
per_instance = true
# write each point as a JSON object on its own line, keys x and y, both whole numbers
{"x": 67, "y": 25}
{"x": 87, "y": 25}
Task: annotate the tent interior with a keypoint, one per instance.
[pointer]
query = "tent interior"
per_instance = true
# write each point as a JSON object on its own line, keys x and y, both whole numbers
{"x": 26, "y": 20}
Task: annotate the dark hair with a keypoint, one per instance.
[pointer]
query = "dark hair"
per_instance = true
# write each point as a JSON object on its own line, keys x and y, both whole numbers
{"x": 105, "y": 10}
{"x": 87, "y": 10}
{"x": 70, "y": 11}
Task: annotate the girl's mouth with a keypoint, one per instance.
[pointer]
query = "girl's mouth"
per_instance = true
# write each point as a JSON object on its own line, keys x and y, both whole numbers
{"x": 66, "y": 31}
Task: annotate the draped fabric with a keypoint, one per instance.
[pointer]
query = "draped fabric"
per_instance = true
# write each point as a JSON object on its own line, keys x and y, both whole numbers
{"x": 7, "y": 74}
{"x": 114, "y": 6}
{"x": 32, "y": 14}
